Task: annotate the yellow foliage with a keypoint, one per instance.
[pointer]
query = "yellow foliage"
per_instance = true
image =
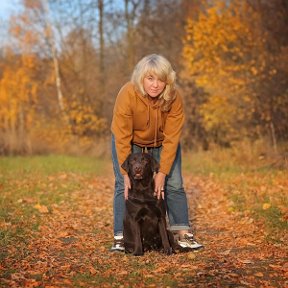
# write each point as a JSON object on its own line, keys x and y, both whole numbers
{"x": 18, "y": 93}
{"x": 83, "y": 120}
{"x": 218, "y": 56}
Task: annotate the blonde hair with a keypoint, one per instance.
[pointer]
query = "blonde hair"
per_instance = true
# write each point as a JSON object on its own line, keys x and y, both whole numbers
{"x": 161, "y": 67}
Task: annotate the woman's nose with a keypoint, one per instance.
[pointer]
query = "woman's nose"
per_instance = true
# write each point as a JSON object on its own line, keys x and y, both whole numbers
{"x": 155, "y": 83}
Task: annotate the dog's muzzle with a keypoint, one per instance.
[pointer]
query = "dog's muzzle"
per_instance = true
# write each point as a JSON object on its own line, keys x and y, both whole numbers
{"x": 138, "y": 172}
{"x": 138, "y": 176}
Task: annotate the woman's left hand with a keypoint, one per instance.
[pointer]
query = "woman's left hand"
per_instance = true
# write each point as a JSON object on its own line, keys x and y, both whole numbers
{"x": 159, "y": 180}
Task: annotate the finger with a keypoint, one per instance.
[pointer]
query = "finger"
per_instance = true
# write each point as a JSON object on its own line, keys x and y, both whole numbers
{"x": 162, "y": 192}
{"x": 128, "y": 184}
{"x": 126, "y": 192}
{"x": 159, "y": 193}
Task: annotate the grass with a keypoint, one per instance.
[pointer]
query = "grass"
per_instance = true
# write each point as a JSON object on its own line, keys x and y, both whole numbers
{"x": 209, "y": 163}
{"x": 45, "y": 180}
{"x": 51, "y": 164}
{"x": 48, "y": 180}
{"x": 253, "y": 186}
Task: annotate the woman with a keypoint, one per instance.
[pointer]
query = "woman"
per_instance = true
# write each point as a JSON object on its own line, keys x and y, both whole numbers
{"x": 148, "y": 114}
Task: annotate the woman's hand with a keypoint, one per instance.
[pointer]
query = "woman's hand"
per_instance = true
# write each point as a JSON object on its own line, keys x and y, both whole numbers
{"x": 159, "y": 180}
{"x": 127, "y": 186}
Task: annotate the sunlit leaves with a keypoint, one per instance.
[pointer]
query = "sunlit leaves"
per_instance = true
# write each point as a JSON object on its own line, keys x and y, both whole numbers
{"x": 18, "y": 93}
{"x": 227, "y": 52}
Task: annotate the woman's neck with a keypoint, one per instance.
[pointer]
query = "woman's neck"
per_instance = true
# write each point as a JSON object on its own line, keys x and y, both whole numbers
{"x": 153, "y": 100}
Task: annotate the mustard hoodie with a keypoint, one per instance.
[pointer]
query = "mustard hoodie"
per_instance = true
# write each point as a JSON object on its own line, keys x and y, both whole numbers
{"x": 139, "y": 120}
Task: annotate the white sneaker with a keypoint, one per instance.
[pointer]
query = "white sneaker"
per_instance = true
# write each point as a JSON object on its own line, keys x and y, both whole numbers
{"x": 118, "y": 244}
{"x": 189, "y": 242}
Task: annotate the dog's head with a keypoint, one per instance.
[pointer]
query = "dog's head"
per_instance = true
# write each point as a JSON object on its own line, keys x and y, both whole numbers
{"x": 140, "y": 166}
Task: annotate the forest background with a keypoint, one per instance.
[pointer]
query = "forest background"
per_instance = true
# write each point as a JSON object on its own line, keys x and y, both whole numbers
{"x": 63, "y": 62}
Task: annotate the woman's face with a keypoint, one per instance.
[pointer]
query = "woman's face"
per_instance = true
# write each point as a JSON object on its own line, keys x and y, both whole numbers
{"x": 153, "y": 86}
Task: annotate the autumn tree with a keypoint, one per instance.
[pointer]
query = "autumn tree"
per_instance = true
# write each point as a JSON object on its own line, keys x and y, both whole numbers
{"x": 18, "y": 97}
{"x": 226, "y": 54}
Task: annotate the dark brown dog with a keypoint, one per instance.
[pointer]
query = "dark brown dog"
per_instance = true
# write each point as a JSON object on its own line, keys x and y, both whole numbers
{"x": 144, "y": 221}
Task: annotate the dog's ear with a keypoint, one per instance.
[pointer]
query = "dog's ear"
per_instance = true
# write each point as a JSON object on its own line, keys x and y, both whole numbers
{"x": 125, "y": 164}
{"x": 155, "y": 165}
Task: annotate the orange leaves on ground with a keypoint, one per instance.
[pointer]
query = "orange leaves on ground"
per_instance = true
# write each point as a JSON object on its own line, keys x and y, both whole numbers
{"x": 71, "y": 245}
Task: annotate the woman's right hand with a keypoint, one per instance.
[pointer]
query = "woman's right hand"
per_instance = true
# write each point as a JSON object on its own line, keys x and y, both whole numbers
{"x": 127, "y": 186}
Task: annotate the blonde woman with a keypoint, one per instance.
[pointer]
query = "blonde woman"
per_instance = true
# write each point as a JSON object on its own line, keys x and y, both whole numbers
{"x": 148, "y": 114}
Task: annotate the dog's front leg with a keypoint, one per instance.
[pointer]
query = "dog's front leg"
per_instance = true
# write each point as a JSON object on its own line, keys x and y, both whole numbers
{"x": 138, "y": 251}
{"x": 164, "y": 237}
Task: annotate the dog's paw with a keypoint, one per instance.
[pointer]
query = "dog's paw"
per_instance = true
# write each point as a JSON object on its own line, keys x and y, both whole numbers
{"x": 168, "y": 251}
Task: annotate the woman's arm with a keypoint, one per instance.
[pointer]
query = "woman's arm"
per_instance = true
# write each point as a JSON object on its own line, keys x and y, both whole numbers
{"x": 172, "y": 133}
{"x": 122, "y": 124}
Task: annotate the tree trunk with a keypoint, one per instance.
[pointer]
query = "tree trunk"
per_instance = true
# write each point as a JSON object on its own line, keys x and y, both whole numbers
{"x": 273, "y": 138}
{"x": 52, "y": 46}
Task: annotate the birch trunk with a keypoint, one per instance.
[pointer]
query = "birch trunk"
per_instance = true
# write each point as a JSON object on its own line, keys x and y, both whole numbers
{"x": 52, "y": 45}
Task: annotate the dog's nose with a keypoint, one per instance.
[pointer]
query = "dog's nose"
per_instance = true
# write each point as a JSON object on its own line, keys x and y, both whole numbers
{"x": 138, "y": 168}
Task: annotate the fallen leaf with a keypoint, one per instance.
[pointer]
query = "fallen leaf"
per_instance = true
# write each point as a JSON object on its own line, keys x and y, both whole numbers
{"x": 92, "y": 270}
{"x": 246, "y": 261}
{"x": 191, "y": 256}
{"x": 266, "y": 206}
{"x": 41, "y": 208}
{"x": 226, "y": 252}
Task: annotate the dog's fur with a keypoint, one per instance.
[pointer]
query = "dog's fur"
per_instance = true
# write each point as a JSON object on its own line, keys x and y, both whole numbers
{"x": 144, "y": 221}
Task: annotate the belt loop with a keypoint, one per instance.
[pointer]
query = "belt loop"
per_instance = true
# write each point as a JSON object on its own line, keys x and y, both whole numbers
{"x": 144, "y": 149}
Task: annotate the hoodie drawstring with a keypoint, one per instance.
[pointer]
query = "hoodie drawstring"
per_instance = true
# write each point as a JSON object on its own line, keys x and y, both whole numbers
{"x": 156, "y": 122}
{"x": 156, "y": 129}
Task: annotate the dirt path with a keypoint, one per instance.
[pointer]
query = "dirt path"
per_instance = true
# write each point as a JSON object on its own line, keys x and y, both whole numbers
{"x": 71, "y": 248}
{"x": 236, "y": 253}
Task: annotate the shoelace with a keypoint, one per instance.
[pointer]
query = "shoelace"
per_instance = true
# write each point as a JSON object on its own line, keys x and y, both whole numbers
{"x": 189, "y": 238}
{"x": 118, "y": 242}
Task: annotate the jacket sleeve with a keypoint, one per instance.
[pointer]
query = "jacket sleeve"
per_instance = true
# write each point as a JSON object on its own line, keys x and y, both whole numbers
{"x": 122, "y": 124}
{"x": 172, "y": 132}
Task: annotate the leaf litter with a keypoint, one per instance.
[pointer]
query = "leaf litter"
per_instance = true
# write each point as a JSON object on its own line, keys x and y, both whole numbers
{"x": 71, "y": 246}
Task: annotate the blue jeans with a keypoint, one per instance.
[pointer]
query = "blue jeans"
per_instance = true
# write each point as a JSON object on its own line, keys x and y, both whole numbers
{"x": 175, "y": 196}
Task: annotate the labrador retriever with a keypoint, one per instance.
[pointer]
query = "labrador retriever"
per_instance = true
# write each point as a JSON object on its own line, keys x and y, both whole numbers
{"x": 145, "y": 225}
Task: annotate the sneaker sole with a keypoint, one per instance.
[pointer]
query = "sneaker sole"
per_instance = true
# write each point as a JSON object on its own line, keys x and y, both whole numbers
{"x": 117, "y": 250}
{"x": 187, "y": 247}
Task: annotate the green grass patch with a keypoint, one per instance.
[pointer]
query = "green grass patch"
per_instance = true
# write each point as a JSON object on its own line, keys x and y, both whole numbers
{"x": 250, "y": 184}
{"x": 207, "y": 163}
{"x": 273, "y": 218}
{"x": 26, "y": 182}
{"x": 51, "y": 164}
